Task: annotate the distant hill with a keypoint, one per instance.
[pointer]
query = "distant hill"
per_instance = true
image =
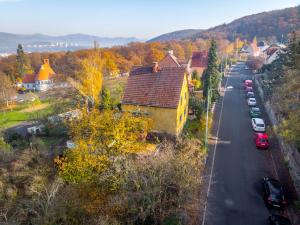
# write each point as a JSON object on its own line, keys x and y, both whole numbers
{"x": 272, "y": 24}
{"x": 41, "y": 42}
{"x": 177, "y": 35}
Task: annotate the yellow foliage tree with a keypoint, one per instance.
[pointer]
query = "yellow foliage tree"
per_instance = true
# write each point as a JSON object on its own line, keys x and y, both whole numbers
{"x": 90, "y": 79}
{"x": 100, "y": 138}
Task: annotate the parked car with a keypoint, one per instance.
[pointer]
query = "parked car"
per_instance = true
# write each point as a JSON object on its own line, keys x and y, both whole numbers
{"x": 248, "y": 83}
{"x": 249, "y": 89}
{"x": 258, "y": 125}
{"x": 255, "y": 112}
{"x": 278, "y": 220}
{"x": 250, "y": 94}
{"x": 251, "y": 102}
{"x": 36, "y": 130}
{"x": 273, "y": 193}
{"x": 261, "y": 140}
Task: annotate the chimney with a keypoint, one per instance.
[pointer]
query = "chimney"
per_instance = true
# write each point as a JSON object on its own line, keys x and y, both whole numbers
{"x": 171, "y": 52}
{"x": 46, "y": 61}
{"x": 155, "y": 67}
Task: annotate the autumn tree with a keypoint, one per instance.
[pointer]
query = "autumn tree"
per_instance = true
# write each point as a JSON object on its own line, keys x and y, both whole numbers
{"x": 100, "y": 137}
{"x": 89, "y": 79}
{"x": 7, "y": 90}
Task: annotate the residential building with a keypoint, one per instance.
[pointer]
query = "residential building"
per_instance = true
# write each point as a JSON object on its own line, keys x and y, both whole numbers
{"x": 41, "y": 81}
{"x": 198, "y": 62}
{"x": 161, "y": 94}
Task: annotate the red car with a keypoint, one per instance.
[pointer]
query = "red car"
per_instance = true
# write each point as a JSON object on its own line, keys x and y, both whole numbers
{"x": 248, "y": 83}
{"x": 248, "y": 89}
{"x": 261, "y": 140}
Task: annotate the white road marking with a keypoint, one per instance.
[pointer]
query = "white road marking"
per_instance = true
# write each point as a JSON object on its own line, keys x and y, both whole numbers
{"x": 213, "y": 159}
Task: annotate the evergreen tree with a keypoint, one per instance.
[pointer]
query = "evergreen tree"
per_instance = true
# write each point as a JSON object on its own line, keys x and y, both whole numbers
{"x": 105, "y": 99}
{"x": 211, "y": 76}
{"x": 22, "y": 63}
{"x": 293, "y": 48}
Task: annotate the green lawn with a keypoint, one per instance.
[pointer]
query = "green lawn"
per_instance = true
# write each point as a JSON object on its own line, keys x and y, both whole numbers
{"x": 11, "y": 118}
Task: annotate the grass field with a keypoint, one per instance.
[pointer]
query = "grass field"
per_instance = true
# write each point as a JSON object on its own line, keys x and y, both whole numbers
{"x": 11, "y": 118}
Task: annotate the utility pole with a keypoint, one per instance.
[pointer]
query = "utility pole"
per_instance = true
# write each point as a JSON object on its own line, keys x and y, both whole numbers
{"x": 207, "y": 112}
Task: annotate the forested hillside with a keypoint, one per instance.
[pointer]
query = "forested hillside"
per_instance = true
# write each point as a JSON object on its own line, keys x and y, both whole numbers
{"x": 267, "y": 25}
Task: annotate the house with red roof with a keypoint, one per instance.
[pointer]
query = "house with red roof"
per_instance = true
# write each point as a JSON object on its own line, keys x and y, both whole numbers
{"x": 161, "y": 93}
{"x": 41, "y": 81}
{"x": 198, "y": 62}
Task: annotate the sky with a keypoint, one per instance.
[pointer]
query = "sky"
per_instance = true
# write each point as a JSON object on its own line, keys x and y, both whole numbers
{"x": 143, "y": 19}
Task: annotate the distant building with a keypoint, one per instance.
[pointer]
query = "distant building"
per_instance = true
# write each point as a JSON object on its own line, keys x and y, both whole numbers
{"x": 273, "y": 56}
{"x": 252, "y": 50}
{"x": 161, "y": 93}
{"x": 198, "y": 62}
{"x": 41, "y": 81}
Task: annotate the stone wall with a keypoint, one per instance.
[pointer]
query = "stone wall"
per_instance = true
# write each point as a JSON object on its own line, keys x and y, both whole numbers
{"x": 290, "y": 153}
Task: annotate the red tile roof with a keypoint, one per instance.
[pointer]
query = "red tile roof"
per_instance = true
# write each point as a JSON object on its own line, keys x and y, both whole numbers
{"x": 199, "y": 59}
{"x": 169, "y": 61}
{"x": 161, "y": 89}
{"x": 271, "y": 51}
{"x": 29, "y": 78}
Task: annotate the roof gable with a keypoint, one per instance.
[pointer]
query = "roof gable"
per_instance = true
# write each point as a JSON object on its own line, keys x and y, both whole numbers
{"x": 169, "y": 61}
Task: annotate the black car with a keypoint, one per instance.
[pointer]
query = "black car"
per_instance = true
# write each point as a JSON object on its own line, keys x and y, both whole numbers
{"x": 273, "y": 193}
{"x": 279, "y": 220}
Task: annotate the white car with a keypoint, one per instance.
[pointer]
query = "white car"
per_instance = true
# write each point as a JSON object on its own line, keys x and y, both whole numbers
{"x": 251, "y": 102}
{"x": 258, "y": 125}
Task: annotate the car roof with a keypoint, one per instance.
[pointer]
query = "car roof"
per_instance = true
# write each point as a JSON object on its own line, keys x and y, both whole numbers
{"x": 258, "y": 120}
{"x": 250, "y": 93}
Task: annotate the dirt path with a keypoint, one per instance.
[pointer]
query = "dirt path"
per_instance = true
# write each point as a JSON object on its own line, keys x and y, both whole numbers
{"x": 35, "y": 108}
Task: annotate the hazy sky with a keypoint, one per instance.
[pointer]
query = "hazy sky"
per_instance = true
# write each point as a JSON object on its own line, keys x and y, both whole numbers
{"x": 138, "y": 18}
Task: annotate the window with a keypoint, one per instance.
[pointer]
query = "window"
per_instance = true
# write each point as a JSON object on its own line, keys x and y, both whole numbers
{"x": 180, "y": 117}
{"x": 185, "y": 111}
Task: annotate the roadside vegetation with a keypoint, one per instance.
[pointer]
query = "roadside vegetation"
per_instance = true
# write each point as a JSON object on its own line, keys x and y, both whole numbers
{"x": 282, "y": 85}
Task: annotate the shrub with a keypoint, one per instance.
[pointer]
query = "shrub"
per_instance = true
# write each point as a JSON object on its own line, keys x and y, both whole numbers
{"x": 16, "y": 141}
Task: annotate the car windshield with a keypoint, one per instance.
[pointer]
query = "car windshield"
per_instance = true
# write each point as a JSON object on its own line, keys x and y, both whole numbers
{"x": 263, "y": 140}
{"x": 275, "y": 187}
{"x": 255, "y": 109}
{"x": 260, "y": 125}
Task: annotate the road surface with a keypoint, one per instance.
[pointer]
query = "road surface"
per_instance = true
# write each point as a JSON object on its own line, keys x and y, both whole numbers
{"x": 234, "y": 195}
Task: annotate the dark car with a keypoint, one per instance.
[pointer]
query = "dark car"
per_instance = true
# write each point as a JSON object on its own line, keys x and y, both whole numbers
{"x": 273, "y": 193}
{"x": 255, "y": 112}
{"x": 279, "y": 220}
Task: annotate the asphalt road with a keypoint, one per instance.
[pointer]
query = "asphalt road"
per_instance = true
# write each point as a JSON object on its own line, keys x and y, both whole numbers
{"x": 235, "y": 196}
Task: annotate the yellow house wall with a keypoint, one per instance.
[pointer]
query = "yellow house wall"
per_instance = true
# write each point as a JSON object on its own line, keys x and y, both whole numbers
{"x": 182, "y": 109}
{"x": 167, "y": 119}
{"x": 164, "y": 119}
